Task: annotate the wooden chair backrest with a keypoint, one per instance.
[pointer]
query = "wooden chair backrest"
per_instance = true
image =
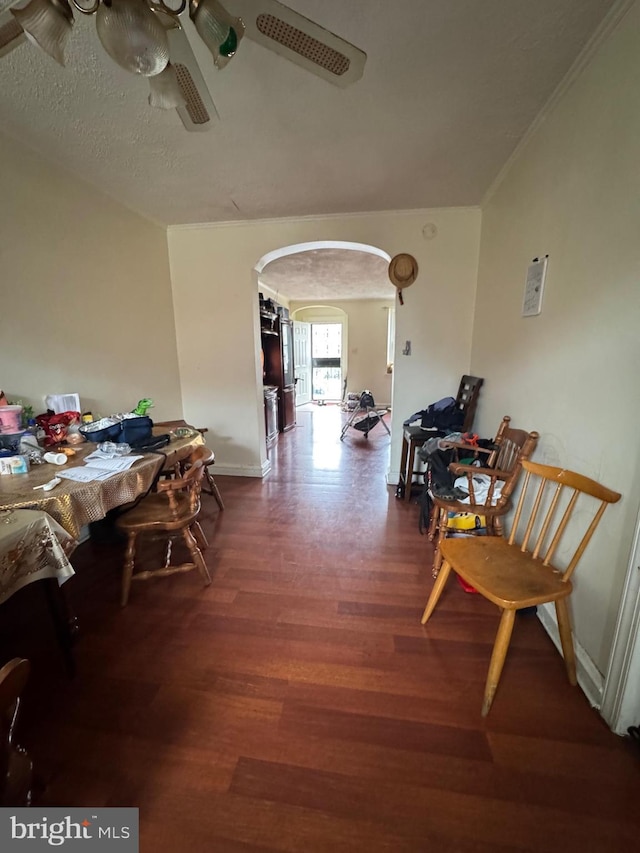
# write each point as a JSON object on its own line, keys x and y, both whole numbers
{"x": 190, "y": 481}
{"x": 467, "y": 399}
{"x": 550, "y": 516}
{"x": 512, "y": 446}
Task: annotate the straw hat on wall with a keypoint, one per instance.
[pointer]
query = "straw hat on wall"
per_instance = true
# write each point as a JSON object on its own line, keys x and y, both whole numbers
{"x": 403, "y": 271}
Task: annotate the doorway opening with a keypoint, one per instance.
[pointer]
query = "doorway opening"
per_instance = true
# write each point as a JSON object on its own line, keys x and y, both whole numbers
{"x": 326, "y": 362}
{"x": 320, "y": 335}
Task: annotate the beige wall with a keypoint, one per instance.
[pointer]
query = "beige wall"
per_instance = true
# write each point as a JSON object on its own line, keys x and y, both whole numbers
{"x": 572, "y": 372}
{"x": 365, "y": 342}
{"x": 86, "y": 294}
{"x": 212, "y": 268}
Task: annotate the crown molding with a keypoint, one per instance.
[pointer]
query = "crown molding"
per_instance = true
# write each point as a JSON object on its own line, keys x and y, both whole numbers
{"x": 249, "y": 223}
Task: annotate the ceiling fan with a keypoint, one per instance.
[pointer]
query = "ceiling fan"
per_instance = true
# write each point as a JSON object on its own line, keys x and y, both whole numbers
{"x": 146, "y": 37}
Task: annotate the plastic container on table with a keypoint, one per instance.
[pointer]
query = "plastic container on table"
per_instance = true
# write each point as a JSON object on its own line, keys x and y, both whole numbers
{"x": 10, "y": 418}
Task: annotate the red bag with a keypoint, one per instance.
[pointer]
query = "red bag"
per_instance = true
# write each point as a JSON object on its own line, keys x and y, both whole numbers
{"x": 55, "y": 426}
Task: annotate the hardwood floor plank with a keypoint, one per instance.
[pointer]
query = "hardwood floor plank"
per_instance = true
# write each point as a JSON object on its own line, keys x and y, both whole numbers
{"x": 297, "y": 704}
{"x": 404, "y": 734}
{"x": 426, "y": 810}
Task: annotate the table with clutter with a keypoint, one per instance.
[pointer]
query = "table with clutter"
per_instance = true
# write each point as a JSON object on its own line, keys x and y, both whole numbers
{"x": 52, "y": 485}
{"x": 76, "y": 504}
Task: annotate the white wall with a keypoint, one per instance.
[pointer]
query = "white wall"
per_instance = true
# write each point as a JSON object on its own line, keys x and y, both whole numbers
{"x": 572, "y": 372}
{"x": 365, "y": 343}
{"x": 86, "y": 294}
{"x": 216, "y": 305}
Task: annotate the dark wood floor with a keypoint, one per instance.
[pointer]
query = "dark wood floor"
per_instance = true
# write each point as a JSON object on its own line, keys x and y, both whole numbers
{"x": 298, "y": 705}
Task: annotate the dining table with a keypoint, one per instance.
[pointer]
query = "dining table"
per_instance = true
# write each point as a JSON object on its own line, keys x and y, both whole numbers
{"x": 40, "y": 529}
{"x": 76, "y": 504}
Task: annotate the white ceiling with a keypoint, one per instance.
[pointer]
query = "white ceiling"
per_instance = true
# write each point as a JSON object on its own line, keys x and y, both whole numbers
{"x": 329, "y": 274}
{"x": 449, "y": 88}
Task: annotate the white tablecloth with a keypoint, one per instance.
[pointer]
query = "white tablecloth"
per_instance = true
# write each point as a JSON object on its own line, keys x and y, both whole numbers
{"x": 32, "y": 546}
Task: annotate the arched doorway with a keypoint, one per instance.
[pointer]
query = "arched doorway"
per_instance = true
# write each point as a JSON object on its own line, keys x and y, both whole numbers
{"x": 331, "y": 286}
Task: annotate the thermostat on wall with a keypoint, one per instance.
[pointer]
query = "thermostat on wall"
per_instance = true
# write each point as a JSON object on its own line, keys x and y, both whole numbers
{"x": 534, "y": 286}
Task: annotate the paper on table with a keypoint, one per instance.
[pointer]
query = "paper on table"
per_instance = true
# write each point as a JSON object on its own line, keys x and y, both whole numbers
{"x": 110, "y": 463}
{"x": 87, "y": 474}
{"x": 101, "y": 468}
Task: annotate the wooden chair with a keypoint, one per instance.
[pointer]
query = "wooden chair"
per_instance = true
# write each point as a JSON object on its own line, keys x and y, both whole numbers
{"x": 519, "y": 572}
{"x": 413, "y": 437}
{"x": 16, "y": 769}
{"x": 467, "y": 399}
{"x": 211, "y": 483}
{"x": 172, "y": 510}
{"x": 504, "y": 464}
{"x": 211, "y": 487}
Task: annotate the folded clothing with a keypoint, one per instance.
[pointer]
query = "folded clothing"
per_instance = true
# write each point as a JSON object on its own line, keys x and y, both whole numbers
{"x": 481, "y": 484}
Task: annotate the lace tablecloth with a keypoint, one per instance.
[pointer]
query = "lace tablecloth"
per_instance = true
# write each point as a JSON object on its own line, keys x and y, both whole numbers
{"x": 74, "y": 504}
{"x": 32, "y": 546}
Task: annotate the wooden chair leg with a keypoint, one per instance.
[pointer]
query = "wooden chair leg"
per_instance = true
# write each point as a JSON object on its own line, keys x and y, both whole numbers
{"x": 564, "y": 629}
{"x": 433, "y": 523}
{"x": 196, "y": 555}
{"x": 442, "y": 532}
{"x": 213, "y": 487}
{"x": 497, "y": 658}
{"x": 201, "y": 539}
{"x": 127, "y": 572}
{"x": 436, "y": 592}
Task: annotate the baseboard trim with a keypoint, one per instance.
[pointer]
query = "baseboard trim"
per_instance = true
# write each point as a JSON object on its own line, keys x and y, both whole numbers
{"x": 590, "y": 679}
{"x": 242, "y": 470}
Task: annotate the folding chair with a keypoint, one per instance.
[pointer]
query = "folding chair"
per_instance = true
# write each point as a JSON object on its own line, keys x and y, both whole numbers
{"x": 365, "y": 417}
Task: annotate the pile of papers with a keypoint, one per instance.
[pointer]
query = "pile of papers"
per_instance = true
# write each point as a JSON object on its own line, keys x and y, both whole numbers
{"x": 99, "y": 466}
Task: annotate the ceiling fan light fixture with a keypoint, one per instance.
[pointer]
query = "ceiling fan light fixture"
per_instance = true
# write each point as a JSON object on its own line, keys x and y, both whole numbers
{"x": 219, "y": 30}
{"x": 166, "y": 93}
{"x": 48, "y": 24}
{"x": 133, "y": 36}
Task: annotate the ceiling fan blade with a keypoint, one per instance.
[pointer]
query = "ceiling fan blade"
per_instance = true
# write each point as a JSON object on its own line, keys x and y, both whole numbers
{"x": 199, "y": 110}
{"x": 11, "y": 35}
{"x": 300, "y": 40}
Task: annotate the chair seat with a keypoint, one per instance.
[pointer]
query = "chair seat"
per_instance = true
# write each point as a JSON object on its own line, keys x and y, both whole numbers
{"x": 503, "y": 573}
{"x": 152, "y": 512}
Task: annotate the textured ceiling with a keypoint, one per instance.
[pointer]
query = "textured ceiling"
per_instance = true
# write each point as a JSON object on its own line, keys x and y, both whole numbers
{"x": 448, "y": 90}
{"x": 329, "y": 274}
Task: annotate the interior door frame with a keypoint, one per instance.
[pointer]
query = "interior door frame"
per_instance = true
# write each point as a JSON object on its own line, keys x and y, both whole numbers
{"x": 338, "y": 321}
{"x": 305, "y": 369}
{"x": 621, "y": 695}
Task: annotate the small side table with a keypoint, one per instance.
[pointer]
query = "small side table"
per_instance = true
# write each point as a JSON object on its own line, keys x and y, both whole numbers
{"x": 413, "y": 437}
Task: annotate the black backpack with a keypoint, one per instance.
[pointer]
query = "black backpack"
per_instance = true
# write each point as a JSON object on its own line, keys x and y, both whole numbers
{"x": 443, "y": 415}
{"x": 438, "y": 481}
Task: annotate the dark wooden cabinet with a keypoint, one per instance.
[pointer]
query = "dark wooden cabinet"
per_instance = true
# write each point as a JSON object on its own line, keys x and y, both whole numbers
{"x": 288, "y": 408}
{"x": 278, "y": 368}
{"x": 271, "y": 424}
